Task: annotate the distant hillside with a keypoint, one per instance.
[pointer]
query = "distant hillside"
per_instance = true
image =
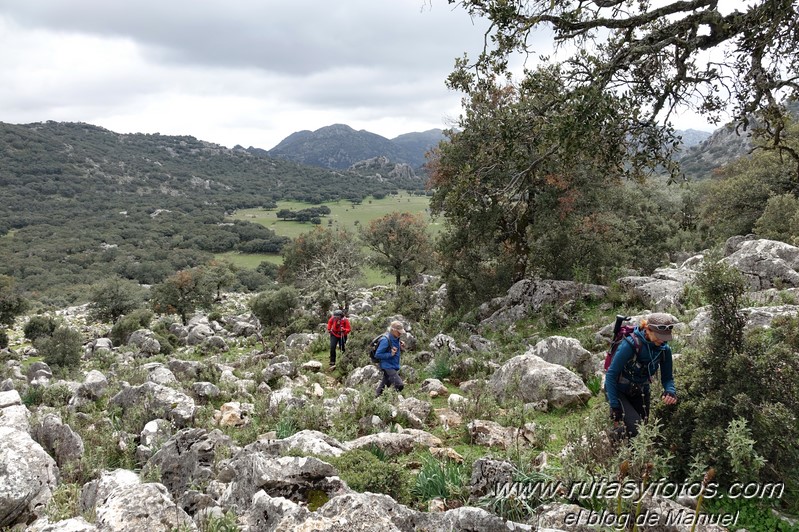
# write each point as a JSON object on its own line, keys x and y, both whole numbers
{"x": 721, "y": 147}
{"x": 692, "y": 137}
{"x": 340, "y": 146}
{"x": 416, "y": 145}
{"x": 79, "y": 202}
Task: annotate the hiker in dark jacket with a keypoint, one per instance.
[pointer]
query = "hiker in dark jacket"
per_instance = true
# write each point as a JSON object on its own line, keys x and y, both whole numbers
{"x": 388, "y": 353}
{"x": 339, "y": 328}
{"x": 628, "y": 377}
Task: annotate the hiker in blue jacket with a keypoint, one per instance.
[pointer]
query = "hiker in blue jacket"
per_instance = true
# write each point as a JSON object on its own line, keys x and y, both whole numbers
{"x": 388, "y": 352}
{"x": 628, "y": 377}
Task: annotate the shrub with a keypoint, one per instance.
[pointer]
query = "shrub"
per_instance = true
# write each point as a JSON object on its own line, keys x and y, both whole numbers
{"x": 38, "y": 327}
{"x": 363, "y": 471}
{"x": 122, "y": 329}
{"x": 739, "y": 403}
{"x": 114, "y": 297}
{"x": 275, "y": 307}
{"x": 61, "y": 350}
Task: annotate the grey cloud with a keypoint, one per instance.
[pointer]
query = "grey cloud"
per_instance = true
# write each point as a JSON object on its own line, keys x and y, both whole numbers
{"x": 295, "y": 37}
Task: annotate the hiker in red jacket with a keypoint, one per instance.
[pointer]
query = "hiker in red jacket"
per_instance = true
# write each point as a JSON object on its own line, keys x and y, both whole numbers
{"x": 339, "y": 328}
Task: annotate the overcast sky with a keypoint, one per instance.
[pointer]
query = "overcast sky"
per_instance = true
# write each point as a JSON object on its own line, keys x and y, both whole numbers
{"x": 247, "y": 72}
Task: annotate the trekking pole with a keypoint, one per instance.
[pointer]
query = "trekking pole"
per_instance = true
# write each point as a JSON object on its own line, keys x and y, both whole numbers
{"x": 620, "y": 319}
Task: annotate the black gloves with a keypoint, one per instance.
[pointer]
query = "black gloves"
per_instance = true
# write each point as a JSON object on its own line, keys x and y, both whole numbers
{"x": 617, "y": 414}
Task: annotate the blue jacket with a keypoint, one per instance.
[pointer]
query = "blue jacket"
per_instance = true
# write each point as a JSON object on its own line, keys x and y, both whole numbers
{"x": 383, "y": 353}
{"x": 626, "y": 369}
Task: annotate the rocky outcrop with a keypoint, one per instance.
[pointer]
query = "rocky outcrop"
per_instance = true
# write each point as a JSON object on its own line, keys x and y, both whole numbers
{"x": 529, "y": 296}
{"x": 367, "y": 512}
{"x": 756, "y": 318}
{"x": 189, "y": 457}
{"x": 58, "y": 439}
{"x": 765, "y": 263}
{"x": 97, "y": 491}
{"x": 531, "y": 379}
{"x": 566, "y": 352}
{"x": 290, "y": 477}
{"x": 13, "y": 413}
{"x": 145, "y": 341}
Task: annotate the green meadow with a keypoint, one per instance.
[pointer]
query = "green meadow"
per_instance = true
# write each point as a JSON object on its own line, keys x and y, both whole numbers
{"x": 343, "y": 214}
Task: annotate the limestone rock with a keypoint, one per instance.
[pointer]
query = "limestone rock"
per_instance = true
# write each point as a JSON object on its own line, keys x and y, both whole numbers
{"x": 28, "y": 476}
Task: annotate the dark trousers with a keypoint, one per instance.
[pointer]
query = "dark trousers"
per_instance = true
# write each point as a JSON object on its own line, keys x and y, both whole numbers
{"x": 635, "y": 405}
{"x": 334, "y": 342}
{"x": 390, "y": 378}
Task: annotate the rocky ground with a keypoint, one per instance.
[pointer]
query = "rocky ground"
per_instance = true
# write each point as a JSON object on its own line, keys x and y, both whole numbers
{"x": 222, "y": 434}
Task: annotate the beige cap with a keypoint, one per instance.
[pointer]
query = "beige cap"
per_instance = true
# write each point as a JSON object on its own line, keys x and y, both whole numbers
{"x": 661, "y": 324}
{"x": 397, "y": 326}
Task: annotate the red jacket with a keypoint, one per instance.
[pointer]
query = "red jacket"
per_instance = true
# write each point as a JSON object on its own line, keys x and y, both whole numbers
{"x": 337, "y": 326}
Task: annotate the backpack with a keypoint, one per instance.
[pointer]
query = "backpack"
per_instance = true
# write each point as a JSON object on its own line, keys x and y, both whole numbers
{"x": 373, "y": 347}
{"x": 622, "y": 333}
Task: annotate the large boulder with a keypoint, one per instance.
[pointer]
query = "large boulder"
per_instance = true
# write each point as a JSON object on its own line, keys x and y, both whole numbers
{"x": 28, "y": 476}
{"x": 299, "y": 341}
{"x": 532, "y": 379}
{"x": 756, "y": 318}
{"x": 97, "y": 491}
{"x": 157, "y": 401}
{"x": 492, "y": 434}
{"x": 145, "y": 341}
{"x": 199, "y": 334}
{"x": 39, "y": 374}
{"x": 394, "y": 443}
{"x": 310, "y": 442}
{"x": 766, "y": 263}
{"x": 295, "y": 478}
{"x": 141, "y": 507}
{"x": 365, "y": 376}
{"x": 94, "y": 385}
{"x": 487, "y": 474}
{"x": 58, "y": 439}
{"x": 566, "y": 352}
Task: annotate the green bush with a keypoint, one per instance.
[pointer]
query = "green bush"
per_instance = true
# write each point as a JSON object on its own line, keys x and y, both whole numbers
{"x": 38, "y": 327}
{"x": 739, "y": 404}
{"x": 122, "y": 329}
{"x": 275, "y": 308}
{"x": 363, "y": 471}
{"x": 61, "y": 350}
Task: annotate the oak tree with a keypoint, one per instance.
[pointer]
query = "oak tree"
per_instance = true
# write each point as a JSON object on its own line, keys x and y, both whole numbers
{"x": 400, "y": 244}
{"x": 662, "y": 56}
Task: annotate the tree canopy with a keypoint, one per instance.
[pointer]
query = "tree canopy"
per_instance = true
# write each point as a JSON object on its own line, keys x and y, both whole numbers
{"x": 660, "y": 56}
{"x": 401, "y": 244}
